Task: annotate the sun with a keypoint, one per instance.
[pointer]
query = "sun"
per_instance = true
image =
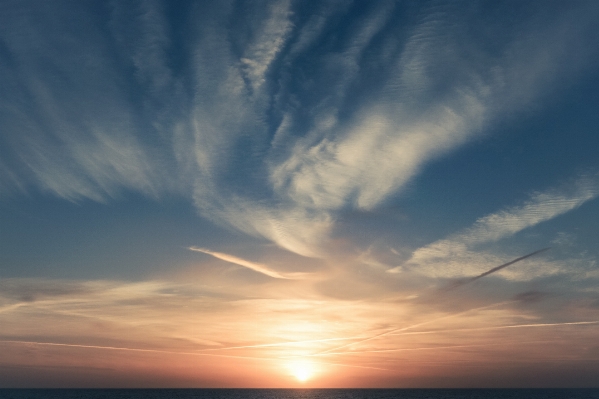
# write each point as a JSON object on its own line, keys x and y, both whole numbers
{"x": 302, "y": 370}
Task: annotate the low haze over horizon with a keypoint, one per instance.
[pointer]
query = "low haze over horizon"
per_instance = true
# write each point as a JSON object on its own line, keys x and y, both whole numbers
{"x": 299, "y": 194}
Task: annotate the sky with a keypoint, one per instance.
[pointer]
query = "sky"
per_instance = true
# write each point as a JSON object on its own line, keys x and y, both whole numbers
{"x": 299, "y": 194}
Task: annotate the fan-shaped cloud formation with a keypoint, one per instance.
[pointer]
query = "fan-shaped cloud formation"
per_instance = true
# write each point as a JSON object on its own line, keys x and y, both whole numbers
{"x": 225, "y": 190}
{"x": 272, "y": 129}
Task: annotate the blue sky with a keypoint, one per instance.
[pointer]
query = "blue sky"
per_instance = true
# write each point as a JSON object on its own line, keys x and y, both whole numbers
{"x": 318, "y": 171}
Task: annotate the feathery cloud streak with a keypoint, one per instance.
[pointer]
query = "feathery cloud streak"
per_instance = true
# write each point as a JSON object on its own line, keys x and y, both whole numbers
{"x": 257, "y": 267}
{"x": 459, "y": 253}
{"x": 271, "y": 129}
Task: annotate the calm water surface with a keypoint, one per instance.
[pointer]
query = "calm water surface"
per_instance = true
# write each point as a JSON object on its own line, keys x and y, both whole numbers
{"x": 300, "y": 393}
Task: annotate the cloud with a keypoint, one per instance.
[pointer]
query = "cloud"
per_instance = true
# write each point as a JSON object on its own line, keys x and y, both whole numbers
{"x": 92, "y": 323}
{"x": 73, "y": 133}
{"x": 495, "y": 269}
{"x": 373, "y": 160}
{"x": 539, "y": 208}
{"x": 257, "y": 267}
{"x": 459, "y": 254}
{"x": 170, "y": 316}
{"x": 272, "y": 127}
{"x": 271, "y": 36}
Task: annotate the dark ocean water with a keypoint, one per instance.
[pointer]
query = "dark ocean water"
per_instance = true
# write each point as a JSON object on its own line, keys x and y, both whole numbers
{"x": 299, "y": 393}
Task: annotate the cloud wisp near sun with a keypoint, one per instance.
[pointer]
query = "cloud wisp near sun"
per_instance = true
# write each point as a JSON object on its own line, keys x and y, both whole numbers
{"x": 257, "y": 267}
{"x": 281, "y": 193}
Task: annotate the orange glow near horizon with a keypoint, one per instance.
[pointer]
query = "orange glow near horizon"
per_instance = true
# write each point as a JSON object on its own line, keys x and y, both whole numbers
{"x": 302, "y": 369}
{"x": 275, "y": 342}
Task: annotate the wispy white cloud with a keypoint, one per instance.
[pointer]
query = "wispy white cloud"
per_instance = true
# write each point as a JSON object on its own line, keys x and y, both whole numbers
{"x": 272, "y": 129}
{"x": 172, "y": 321}
{"x": 270, "y": 38}
{"x": 165, "y": 315}
{"x": 373, "y": 160}
{"x": 74, "y": 131}
{"x": 257, "y": 267}
{"x": 539, "y": 208}
{"x": 459, "y": 255}
{"x": 391, "y": 139}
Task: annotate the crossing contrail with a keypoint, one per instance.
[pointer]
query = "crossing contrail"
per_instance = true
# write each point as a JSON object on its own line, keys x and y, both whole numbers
{"x": 388, "y": 332}
{"x": 428, "y": 348}
{"x": 495, "y": 269}
{"x": 120, "y": 348}
{"x": 575, "y": 323}
{"x": 453, "y": 286}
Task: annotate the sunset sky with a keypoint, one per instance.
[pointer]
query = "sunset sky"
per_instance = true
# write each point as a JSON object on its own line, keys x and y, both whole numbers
{"x": 299, "y": 194}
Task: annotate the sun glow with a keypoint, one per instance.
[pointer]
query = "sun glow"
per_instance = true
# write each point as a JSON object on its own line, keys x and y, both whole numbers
{"x": 302, "y": 370}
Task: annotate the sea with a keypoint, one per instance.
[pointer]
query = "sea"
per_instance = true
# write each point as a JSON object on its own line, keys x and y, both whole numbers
{"x": 299, "y": 393}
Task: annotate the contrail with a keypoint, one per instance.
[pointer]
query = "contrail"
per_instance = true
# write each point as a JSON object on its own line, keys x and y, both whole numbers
{"x": 501, "y": 327}
{"x": 291, "y": 343}
{"x": 426, "y": 348}
{"x": 119, "y": 348}
{"x": 455, "y": 285}
{"x": 356, "y": 366}
{"x": 493, "y": 270}
{"x": 288, "y": 343}
{"x": 409, "y": 327}
{"x": 257, "y": 267}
